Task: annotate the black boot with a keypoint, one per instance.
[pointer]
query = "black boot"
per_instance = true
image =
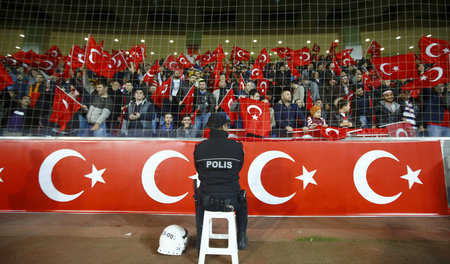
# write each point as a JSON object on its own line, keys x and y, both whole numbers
{"x": 242, "y": 241}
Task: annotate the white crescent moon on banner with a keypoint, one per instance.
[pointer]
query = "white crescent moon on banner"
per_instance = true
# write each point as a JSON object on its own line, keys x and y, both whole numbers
{"x": 428, "y": 50}
{"x": 45, "y": 175}
{"x": 254, "y": 177}
{"x": 92, "y": 52}
{"x": 254, "y": 107}
{"x": 440, "y": 73}
{"x": 148, "y": 176}
{"x": 382, "y": 68}
{"x": 360, "y": 177}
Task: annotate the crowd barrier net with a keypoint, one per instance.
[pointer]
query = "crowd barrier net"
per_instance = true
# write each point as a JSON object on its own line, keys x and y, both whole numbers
{"x": 276, "y": 70}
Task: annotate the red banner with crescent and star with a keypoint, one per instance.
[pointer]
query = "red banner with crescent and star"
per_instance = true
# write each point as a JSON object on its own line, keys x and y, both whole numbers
{"x": 281, "y": 178}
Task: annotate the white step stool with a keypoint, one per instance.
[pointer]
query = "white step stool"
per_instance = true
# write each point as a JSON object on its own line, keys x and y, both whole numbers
{"x": 207, "y": 233}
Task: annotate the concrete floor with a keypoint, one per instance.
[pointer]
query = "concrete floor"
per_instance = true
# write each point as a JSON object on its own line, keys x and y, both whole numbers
{"x": 133, "y": 238}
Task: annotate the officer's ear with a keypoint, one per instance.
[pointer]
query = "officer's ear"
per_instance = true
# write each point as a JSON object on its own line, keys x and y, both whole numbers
{"x": 225, "y": 127}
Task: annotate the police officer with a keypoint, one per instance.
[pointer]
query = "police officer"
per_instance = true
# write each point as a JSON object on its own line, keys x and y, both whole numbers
{"x": 218, "y": 161}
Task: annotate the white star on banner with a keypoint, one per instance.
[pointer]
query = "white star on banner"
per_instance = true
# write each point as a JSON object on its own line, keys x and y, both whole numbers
{"x": 423, "y": 78}
{"x": 395, "y": 68}
{"x": 195, "y": 177}
{"x": 307, "y": 177}
{"x": 412, "y": 177}
{"x": 446, "y": 50}
{"x": 95, "y": 175}
{"x": 255, "y": 117}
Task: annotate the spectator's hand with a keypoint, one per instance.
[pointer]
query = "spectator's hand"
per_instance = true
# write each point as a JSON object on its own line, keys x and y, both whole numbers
{"x": 216, "y": 107}
{"x": 305, "y": 130}
{"x": 374, "y": 126}
{"x": 265, "y": 101}
{"x": 170, "y": 98}
{"x": 84, "y": 107}
{"x": 313, "y": 126}
{"x": 137, "y": 115}
{"x": 421, "y": 129}
{"x": 327, "y": 107}
{"x": 289, "y": 129}
{"x": 95, "y": 127}
{"x": 325, "y": 125}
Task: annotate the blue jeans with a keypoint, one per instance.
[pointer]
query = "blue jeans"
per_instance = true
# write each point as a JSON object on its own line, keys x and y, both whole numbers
{"x": 83, "y": 132}
{"x": 100, "y": 132}
{"x": 200, "y": 122}
{"x": 438, "y": 131}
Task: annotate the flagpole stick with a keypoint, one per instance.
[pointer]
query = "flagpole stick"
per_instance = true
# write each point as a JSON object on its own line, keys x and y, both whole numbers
{"x": 68, "y": 95}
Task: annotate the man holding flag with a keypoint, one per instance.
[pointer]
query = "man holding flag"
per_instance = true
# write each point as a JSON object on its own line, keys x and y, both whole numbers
{"x": 287, "y": 115}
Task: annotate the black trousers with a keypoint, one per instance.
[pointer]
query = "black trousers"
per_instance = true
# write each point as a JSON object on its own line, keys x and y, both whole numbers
{"x": 240, "y": 207}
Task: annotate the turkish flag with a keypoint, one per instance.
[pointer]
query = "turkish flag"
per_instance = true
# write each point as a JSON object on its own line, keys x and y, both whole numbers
{"x": 40, "y": 61}
{"x": 263, "y": 86}
{"x": 188, "y": 102}
{"x": 433, "y": 50}
{"x": 263, "y": 58}
{"x": 256, "y": 72}
{"x": 374, "y": 49}
{"x": 119, "y": 61}
{"x": 438, "y": 74}
{"x": 368, "y": 84}
{"x": 239, "y": 54}
{"x": 344, "y": 57}
{"x": 206, "y": 59}
{"x": 154, "y": 70}
{"x": 316, "y": 48}
{"x": 54, "y": 54}
{"x": 333, "y": 133}
{"x": 184, "y": 61}
{"x": 218, "y": 54}
{"x": 137, "y": 55}
{"x": 95, "y": 60}
{"x": 256, "y": 117}
{"x": 294, "y": 70}
{"x": 401, "y": 129}
{"x": 162, "y": 92}
{"x": 172, "y": 63}
{"x": 332, "y": 49}
{"x": 281, "y": 52}
{"x": 5, "y": 78}
{"x": 64, "y": 107}
{"x": 241, "y": 83}
{"x": 396, "y": 67}
{"x": 300, "y": 57}
{"x": 336, "y": 67}
{"x": 76, "y": 57}
{"x": 226, "y": 103}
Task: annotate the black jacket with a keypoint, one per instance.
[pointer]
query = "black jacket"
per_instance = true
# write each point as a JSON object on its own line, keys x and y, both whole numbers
{"x": 218, "y": 161}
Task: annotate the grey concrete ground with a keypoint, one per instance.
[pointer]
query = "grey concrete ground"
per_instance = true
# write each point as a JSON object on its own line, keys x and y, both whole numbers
{"x": 132, "y": 238}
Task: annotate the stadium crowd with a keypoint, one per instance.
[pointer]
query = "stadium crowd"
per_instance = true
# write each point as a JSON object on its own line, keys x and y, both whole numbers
{"x": 123, "y": 106}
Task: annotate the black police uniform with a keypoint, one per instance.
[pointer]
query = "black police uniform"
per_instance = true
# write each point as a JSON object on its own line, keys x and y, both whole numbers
{"x": 218, "y": 161}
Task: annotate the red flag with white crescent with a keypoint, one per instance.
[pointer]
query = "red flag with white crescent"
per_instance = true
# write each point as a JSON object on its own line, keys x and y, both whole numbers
{"x": 281, "y": 51}
{"x": 433, "y": 50}
{"x": 64, "y": 107}
{"x": 162, "y": 92}
{"x": 239, "y": 54}
{"x": 226, "y": 103}
{"x": 188, "y": 102}
{"x": 396, "y": 67}
{"x": 255, "y": 116}
{"x": 241, "y": 82}
{"x": 437, "y": 74}
{"x": 154, "y": 70}
{"x": 263, "y": 58}
{"x": 263, "y": 86}
{"x": 374, "y": 49}
{"x": 184, "y": 61}
{"x": 256, "y": 72}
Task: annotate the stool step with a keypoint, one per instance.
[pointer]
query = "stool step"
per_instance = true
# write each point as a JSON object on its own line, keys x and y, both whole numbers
{"x": 207, "y": 234}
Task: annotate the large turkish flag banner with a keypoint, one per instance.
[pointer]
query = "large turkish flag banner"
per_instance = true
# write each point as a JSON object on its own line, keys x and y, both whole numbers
{"x": 281, "y": 178}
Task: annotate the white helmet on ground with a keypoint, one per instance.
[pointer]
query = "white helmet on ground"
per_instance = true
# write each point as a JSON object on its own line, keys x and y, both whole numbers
{"x": 173, "y": 240}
